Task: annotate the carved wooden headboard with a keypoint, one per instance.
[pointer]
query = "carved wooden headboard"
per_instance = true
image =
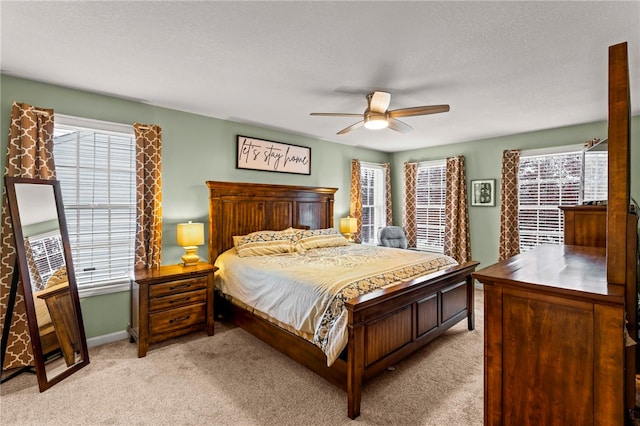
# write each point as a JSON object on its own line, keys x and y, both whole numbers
{"x": 240, "y": 208}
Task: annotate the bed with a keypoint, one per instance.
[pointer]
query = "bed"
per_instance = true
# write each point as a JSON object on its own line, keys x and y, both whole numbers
{"x": 383, "y": 326}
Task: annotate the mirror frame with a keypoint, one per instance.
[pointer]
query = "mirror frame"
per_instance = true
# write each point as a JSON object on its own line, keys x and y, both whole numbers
{"x": 45, "y": 383}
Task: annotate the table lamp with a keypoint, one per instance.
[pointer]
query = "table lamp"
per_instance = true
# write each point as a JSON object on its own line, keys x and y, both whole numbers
{"x": 348, "y": 226}
{"x": 190, "y": 236}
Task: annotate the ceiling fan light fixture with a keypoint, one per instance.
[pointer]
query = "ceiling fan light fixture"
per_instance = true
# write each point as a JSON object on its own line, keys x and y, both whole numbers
{"x": 375, "y": 122}
{"x": 377, "y": 115}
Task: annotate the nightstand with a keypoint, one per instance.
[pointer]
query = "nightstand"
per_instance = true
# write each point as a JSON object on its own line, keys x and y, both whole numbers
{"x": 170, "y": 301}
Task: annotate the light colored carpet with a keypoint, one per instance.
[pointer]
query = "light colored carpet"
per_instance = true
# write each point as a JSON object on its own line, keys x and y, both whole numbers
{"x": 233, "y": 378}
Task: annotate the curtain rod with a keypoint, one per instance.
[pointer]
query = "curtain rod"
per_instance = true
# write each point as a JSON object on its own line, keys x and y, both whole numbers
{"x": 39, "y": 111}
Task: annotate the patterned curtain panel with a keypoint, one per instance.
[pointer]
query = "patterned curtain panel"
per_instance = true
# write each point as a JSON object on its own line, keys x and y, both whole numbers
{"x": 148, "y": 195}
{"x": 389, "y": 207}
{"x": 29, "y": 154}
{"x": 36, "y": 279}
{"x": 509, "y": 234}
{"x": 355, "y": 198}
{"x": 410, "y": 202}
{"x": 457, "y": 240}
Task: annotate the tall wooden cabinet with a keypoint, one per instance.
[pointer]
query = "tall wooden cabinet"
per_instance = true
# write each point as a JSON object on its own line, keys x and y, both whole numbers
{"x": 560, "y": 321}
{"x": 585, "y": 225}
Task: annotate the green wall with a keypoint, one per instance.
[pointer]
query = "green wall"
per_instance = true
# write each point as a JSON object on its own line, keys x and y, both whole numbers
{"x": 194, "y": 149}
{"x": 197, "y": 148}
{"x": 40, "y": 228}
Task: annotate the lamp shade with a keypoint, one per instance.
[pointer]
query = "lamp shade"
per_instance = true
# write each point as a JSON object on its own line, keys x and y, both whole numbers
{"x": 348, "y": 225}
{"x": 190, "y": 234}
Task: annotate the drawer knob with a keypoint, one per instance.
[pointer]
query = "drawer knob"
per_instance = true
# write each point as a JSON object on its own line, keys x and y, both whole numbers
{"x": 186, "y": 317}
{"x": 184, "y": 299}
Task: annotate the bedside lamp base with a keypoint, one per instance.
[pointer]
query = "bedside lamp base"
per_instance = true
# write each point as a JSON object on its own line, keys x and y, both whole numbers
{"x": 190, "y": 256}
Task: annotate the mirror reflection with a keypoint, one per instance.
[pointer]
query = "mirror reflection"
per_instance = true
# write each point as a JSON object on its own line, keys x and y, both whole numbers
{"x": 53, "y": 310}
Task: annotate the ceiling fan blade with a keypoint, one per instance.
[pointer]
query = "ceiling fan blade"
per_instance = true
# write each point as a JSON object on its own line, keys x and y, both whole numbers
{"x": 335, "y": 114}
{"x": 420, "y": 110}
{"x": 350, "y": 128}
{"x": 398, "y": 125}
{"x": 379, "y": 101}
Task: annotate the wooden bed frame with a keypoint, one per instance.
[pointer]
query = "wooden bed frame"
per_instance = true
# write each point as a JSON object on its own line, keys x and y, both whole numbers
{"x": 384, "y": 326}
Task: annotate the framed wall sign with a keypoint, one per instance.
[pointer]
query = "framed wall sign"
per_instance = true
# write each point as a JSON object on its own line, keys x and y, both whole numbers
{"x": 260, "y": 154}
{"x": 483, "y": 192}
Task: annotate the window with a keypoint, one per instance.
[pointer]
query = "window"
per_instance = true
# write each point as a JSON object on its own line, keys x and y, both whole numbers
{"x": 95, "y": 164}
{"x": 596, "y": 165}
{"x": 47, "y": 253}
{"x": 549, "y": 180}
{"x": 430, "y": 203}
{"x": 373, "y": 182}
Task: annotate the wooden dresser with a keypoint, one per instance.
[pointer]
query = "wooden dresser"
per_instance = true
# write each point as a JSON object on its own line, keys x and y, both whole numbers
{"x": 170, "y": 301}
{"x": 561, "y": 321}
{"x": 554, "y": 339}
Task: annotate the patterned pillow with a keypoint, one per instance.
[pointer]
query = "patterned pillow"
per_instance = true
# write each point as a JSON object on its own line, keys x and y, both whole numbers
{"x": 264, "y": 243}
{"x": 319, "y": 238}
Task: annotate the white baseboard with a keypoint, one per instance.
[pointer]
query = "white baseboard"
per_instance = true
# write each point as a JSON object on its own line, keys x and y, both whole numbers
{"x": 107, "y": 338}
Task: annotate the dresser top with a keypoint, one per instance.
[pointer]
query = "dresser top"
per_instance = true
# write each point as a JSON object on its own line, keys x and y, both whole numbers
{"x": 563, "y": 269}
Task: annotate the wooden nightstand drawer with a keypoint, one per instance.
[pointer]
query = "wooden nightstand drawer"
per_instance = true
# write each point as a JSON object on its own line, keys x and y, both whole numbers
{"x": 173, "y": 287}
{"x": 177, "y": 300}
{"x": 175, "y": 319}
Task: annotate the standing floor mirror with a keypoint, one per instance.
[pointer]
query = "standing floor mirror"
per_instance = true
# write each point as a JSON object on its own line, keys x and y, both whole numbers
{"x": 46, "y": 270}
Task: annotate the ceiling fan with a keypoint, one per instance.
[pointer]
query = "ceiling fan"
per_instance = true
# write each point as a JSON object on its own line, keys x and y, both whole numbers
{"x": 378, "y": 116}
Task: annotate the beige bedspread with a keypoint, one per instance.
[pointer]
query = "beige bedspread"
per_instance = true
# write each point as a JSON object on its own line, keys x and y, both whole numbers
{"x": 307, "y": 291}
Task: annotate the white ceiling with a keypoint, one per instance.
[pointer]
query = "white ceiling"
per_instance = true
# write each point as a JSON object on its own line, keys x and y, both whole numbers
{"x": 504, "y": 67}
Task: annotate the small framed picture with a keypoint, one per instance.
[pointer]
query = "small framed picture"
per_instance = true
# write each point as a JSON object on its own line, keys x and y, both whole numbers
{"x": 483, "y": 192}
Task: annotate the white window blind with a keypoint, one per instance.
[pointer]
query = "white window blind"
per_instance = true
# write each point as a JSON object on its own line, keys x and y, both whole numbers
{"x": 47, "y": 254}
{"x": 372, "y": 181}
{"x": 430, "y": 203}
{"x": 96, "y": 169}
{"x": 595, "y": 175}
{"x": 546, "y": 182}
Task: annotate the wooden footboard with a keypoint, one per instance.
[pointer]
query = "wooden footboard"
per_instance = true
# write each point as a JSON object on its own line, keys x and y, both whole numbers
{"x": 387, "y": 326}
